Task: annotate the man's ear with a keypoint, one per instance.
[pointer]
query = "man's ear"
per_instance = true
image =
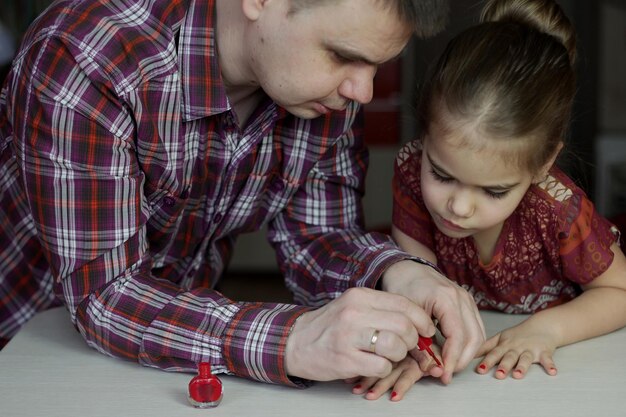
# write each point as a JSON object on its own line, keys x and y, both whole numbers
{"x": 543, "y": 172}
{"x": 252, "y": 8}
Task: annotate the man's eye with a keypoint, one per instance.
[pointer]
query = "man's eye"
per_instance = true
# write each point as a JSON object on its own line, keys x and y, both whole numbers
{"x": 340, "y": 58}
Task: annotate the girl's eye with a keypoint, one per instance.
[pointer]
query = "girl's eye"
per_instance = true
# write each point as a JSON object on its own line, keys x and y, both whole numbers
{"x": 440, "y": 177}
{"x": 497, "y": 195}
{"x": 445, "y": 180}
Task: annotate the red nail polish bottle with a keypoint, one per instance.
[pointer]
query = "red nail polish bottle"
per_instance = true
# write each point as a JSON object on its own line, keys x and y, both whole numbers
{"x": 205, "y": 389}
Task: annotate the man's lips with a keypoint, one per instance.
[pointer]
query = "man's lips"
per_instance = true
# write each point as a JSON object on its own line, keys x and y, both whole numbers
{"x": 323, "y": 109}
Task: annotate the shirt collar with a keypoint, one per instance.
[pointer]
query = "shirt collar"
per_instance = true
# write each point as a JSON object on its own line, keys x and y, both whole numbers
{"x": 203, "y": 89}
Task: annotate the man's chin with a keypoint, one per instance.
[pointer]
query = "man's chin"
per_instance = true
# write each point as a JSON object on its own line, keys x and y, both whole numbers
{"x": 303, "y": 113}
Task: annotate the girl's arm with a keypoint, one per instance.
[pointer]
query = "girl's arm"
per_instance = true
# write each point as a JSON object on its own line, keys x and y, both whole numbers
{"x": 599, "y": 310}
{"x": 412, "y": 246}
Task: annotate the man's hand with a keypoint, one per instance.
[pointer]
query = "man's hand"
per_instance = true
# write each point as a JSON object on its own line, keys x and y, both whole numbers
{"x": 334, "y": 342}
{"x": 453, "y": 307}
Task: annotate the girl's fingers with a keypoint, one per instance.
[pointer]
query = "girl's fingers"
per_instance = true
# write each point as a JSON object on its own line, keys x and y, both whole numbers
{"x": 405, "y": 382}
{"x": 547, "y": 363}
{"x": 508, "y": 361}
{"x": 383, "y": 385}
{"x": 363, "y": 385}
{"x": 493, "y": 355}
{"x": 516, "y": 364}
{"x": 488, "y": 346}
{"x": 402, "y": 377}
{"x": 525, "y": 360}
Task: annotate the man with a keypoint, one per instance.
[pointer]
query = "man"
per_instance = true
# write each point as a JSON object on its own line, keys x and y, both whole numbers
{"x": 140, "y": 138}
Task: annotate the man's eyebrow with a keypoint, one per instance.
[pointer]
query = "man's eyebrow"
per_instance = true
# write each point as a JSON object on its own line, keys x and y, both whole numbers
{"x": 357, "y": 57}
{"x": 495, "y": 187}
{"x": 353, "y": 56}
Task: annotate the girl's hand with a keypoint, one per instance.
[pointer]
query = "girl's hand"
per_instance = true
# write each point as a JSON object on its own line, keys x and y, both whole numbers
{"x": 512, "y": 351}
{"x": 405, "y": 373}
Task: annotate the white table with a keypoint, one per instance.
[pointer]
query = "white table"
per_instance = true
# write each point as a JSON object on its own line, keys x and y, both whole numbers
{"x": 47, "y": 370}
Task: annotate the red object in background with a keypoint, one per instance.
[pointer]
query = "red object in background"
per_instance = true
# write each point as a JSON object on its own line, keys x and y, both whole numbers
{"x": 382, "y": 114}
{"x": 205, "y": 389}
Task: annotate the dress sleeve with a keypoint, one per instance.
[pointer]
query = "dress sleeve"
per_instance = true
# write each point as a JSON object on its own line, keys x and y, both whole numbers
{"x": 409, "y": 212}
{"x": 584, "y": 236}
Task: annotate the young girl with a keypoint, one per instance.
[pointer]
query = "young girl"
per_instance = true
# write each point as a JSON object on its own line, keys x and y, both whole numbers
{"x": 479, "y": 195}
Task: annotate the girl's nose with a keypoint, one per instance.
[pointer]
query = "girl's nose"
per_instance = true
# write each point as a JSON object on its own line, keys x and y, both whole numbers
{"x": 461, "y": 204}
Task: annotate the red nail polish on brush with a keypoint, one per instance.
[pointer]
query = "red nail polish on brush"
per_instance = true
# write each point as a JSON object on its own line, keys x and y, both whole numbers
{"x": 205, "y": 389}
{"x": 424, "y": 343}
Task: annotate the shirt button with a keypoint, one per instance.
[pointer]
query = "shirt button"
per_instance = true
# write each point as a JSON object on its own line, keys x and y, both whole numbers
{"x": 563, "y": 235}
{"x": 218, "y": 217}
{"x": 169, "y": 201}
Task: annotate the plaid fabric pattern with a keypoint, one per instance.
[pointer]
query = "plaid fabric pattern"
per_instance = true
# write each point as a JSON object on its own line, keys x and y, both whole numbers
{"x": 125, "y": 179}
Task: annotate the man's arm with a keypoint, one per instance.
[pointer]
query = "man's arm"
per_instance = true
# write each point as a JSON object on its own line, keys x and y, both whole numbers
{"x": 85, "y": 184}
{"x": 323, "y": 251}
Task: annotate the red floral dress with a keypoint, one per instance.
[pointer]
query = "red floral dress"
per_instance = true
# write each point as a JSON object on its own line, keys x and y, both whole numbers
{"x": 552, "y": 242}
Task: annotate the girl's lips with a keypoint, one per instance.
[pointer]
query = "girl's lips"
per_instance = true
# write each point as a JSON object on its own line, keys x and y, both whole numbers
{"x": 450, "y": 225}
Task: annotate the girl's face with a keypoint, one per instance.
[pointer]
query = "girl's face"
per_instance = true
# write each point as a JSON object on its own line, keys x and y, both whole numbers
{"x": 469, "y": 191}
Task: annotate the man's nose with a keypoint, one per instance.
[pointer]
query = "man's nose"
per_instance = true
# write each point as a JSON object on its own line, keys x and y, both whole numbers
{"x": 359, "y": 85}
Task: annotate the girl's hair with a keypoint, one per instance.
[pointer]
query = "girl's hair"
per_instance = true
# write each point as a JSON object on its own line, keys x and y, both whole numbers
{"x": 511, "y": 77}
{"x": 427, "y": 17}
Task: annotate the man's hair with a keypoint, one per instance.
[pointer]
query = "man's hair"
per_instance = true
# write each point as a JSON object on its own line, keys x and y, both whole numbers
{"x": 427, "y": 17}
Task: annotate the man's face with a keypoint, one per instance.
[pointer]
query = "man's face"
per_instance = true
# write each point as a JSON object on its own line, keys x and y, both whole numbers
{"x": 317, "y": 59}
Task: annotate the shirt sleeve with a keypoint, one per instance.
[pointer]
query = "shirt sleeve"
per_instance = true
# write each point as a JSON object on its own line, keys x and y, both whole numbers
{"x": 410, "y": 215}
{"x": 85, "y": 188}
{"x": 322, "y": 246}
{"x": 584, "y": 236}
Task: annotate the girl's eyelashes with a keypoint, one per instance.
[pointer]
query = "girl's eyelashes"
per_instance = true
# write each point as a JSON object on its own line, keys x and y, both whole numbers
{"x": 445, "y": 180}
{"x": 440, "y": 177}
{"x": 497, "y": 195}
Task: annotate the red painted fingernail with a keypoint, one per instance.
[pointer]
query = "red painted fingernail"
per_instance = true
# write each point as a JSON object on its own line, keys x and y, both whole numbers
{"x": 393, "y": 394}
{"x": 483, "y": 366}
{"x": 358, "y": 386}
